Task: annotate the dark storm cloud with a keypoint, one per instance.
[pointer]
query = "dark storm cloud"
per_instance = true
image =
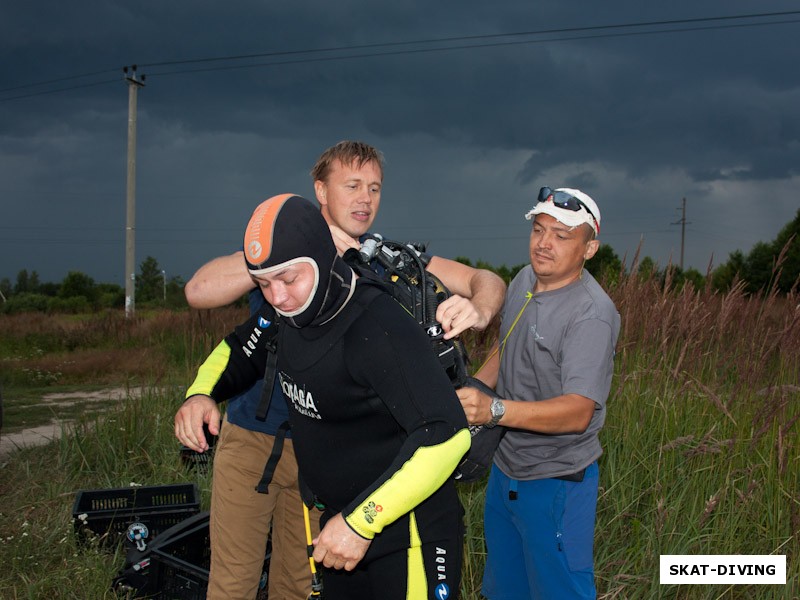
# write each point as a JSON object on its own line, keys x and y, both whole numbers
{"x": 469, "y": 134}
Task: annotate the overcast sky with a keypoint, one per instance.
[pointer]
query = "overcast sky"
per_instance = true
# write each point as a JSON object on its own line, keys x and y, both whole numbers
{"x": 638, "y": 104}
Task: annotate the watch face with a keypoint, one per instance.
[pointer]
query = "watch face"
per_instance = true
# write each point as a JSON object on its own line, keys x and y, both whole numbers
{"x": 498, "y": 408}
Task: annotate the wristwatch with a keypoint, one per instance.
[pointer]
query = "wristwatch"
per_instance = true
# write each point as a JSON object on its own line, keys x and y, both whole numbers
{"x": 498, "y": 409}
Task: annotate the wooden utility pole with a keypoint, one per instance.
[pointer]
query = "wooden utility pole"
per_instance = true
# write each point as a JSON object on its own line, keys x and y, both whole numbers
{"x": 130, "y": 222}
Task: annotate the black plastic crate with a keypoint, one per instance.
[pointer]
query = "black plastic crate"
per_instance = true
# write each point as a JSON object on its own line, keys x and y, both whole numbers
{"x": 179, "y": 563}
{"x": 196, "y": 460}
{"x": 199, "y": 460}
{"x": 179, "y": 566}
{"x": 108, "y": 513}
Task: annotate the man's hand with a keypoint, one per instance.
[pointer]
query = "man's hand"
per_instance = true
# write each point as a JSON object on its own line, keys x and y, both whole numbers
{"x": 476, "y": 405}
{"x": 484, "y": 289}
{"x": 339, "y": 547}
{"x": 457, "y": 314}
{"x": 190, "y": 418}
{"x": 342, "y": 241}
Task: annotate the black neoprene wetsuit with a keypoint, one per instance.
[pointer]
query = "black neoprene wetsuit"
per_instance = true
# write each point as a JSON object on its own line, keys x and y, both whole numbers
{"x": 378, "y": 431}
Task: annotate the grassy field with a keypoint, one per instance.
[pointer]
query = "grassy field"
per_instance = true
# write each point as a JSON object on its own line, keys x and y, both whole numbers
{"x": 701, "y": 439}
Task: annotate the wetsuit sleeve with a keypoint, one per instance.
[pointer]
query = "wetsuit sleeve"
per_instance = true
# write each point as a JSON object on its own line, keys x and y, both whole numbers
{"x": 239, "y": 360}
{"x": 389, "y": 352}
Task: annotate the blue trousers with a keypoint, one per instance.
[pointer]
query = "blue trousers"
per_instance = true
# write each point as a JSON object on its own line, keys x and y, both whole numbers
{"x": 540, "y": 537}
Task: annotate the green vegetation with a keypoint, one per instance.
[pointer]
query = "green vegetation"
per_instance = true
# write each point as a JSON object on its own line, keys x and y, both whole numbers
{"x": 121, "y": 443}
{"x": 78, "y": 293}
{"x": 701, "y": 439}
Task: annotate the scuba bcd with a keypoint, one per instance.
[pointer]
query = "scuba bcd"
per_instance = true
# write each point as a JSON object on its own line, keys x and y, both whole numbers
{"x": 401, "y": 270}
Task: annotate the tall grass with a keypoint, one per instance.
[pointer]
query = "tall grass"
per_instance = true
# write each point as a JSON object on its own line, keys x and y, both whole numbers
{"x": 131, "y": 446}
{"x": 153, "y": 355}
{"x": 108, "y": 348}
{"x": 701, "y": 446}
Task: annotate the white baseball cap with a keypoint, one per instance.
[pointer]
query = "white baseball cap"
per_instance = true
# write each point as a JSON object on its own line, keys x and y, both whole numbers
{"x": 569, "y": 206}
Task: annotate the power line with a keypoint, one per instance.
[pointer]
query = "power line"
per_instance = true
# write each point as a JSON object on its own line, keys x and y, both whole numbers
{"x": 462, "y": 47}
{"x": 476, "y": 37}
{"x": 445, "y": 40}
{"x": 67, "y": 89}
{"x": 450, "y": 48}
{"x": 59, "y": 80}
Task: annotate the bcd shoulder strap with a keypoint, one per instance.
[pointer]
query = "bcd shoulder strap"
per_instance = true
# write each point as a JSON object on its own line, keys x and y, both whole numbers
{"x": 269, "y": 376}
{"x": 274, "y": 457}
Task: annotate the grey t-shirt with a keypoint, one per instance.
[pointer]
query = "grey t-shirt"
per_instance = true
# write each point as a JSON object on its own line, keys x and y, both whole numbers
{"x": 562, "y": 343}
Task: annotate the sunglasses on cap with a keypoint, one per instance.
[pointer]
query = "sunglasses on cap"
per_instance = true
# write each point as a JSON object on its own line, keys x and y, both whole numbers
{"x": 565, "y": 201}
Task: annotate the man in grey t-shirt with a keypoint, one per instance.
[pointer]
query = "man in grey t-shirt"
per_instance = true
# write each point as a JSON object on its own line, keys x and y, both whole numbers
{"x": 552, "y": 370}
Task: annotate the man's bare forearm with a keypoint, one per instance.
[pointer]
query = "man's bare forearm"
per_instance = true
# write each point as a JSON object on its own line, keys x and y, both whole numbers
{"x": 488, "y": 293}
{"x": 219, "y": 282}
{"x": 485, "y": 290}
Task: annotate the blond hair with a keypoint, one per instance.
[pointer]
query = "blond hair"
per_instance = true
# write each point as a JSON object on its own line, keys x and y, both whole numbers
{"x": 349, "y": 153}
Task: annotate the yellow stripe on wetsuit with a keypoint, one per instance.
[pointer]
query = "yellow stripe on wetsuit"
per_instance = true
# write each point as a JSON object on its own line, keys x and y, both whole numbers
{"x": 210, "y": 372}
{"x": 417, "y": 585}
{"x": 416, "y": 480}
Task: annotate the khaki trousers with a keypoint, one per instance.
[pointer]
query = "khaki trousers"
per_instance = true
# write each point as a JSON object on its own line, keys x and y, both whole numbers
{"x": 241, "y": 519}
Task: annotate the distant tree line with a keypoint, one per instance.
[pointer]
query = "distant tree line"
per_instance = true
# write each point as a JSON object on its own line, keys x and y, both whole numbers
{"x": 774, "y": 264}
{"x": 79, "y": 293}
{"x": 769, "y": 266}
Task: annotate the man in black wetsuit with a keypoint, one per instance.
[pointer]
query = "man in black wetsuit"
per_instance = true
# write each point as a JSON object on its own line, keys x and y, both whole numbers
{"x": 377, "y": 426}
{"x": 348, "y": 184}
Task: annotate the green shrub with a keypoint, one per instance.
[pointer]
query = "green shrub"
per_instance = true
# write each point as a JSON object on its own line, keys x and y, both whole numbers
{"x": 25, "y": 302}
{"x": 72, "y": 305}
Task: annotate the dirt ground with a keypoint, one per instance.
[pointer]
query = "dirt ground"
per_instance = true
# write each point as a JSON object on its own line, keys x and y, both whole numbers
{"x": 42, "y": 434}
